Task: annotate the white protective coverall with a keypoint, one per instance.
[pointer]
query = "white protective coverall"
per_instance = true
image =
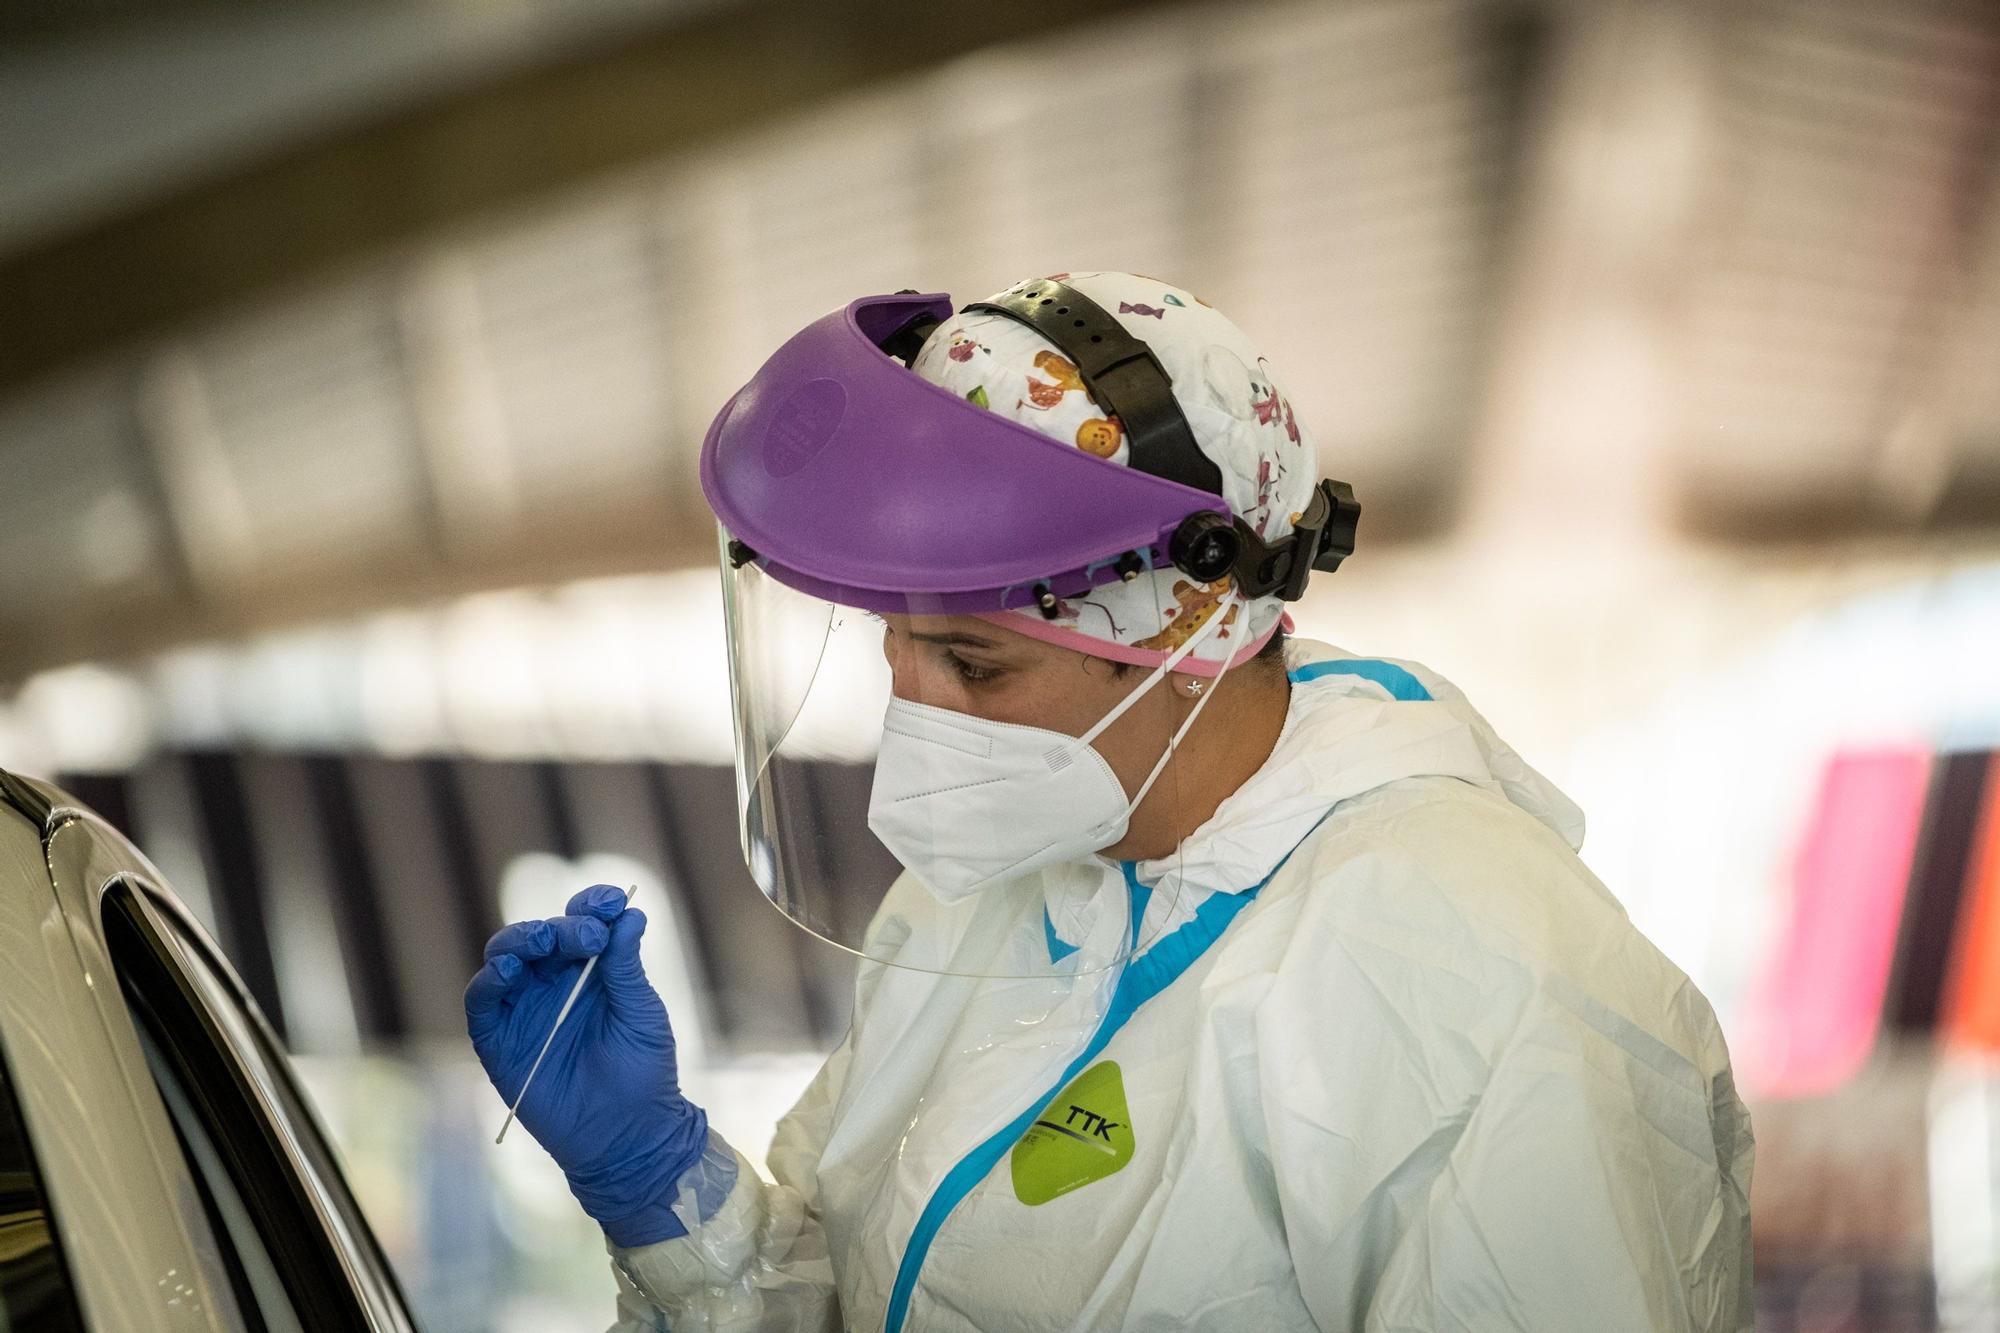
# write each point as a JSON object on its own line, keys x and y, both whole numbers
{"x": 1397, "y": 1061}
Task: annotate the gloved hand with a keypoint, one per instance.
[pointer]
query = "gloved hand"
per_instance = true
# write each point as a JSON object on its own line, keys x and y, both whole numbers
{"x": 606, "y": 1103}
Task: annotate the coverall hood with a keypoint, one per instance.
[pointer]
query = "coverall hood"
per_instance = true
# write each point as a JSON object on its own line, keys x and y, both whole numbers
{"x": 1364, "y": 723}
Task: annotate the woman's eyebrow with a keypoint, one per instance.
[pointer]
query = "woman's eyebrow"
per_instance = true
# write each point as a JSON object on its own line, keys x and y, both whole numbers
{"x": 954, "y": 640}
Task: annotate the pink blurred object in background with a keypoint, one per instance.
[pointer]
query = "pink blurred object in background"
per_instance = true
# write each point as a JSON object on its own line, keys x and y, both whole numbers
{"x": 1814, "y": 1016}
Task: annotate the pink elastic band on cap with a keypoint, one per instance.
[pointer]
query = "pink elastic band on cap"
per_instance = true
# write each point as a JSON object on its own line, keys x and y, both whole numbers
{"x": 1077, "y": 641}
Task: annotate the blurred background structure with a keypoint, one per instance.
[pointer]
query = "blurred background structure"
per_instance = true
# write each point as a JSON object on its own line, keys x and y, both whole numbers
{"x": 355, "y": 357}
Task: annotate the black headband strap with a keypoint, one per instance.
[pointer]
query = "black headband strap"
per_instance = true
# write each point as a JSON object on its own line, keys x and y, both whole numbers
{"x": 1122, "y": 374}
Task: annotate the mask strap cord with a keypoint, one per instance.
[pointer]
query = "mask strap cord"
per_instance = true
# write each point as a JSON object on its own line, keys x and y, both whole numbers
{"x": 1173, "y": 660}
{"x": 1182, "y": 730}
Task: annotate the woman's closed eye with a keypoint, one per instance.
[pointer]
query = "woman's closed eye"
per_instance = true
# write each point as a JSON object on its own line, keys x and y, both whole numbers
{"x": 967, "y": 671}
{"x": 971, "y": 673}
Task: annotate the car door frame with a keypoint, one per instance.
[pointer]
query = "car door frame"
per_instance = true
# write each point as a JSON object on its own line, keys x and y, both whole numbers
{"x": 85, "y": 859}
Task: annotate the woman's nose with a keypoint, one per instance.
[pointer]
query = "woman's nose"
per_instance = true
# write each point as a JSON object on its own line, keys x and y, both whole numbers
{"x": 902, "y": 667}
{"x": 913, "y": 679}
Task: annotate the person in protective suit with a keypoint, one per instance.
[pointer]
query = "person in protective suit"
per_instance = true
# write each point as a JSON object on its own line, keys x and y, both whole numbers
{"x": 1230, "y": 981}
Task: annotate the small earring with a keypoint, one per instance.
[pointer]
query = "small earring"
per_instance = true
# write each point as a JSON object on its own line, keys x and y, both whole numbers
{"x": 1193, "y": 688}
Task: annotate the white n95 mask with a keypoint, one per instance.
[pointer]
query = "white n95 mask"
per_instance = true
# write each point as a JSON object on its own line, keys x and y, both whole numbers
{"x": 964, "y": 802}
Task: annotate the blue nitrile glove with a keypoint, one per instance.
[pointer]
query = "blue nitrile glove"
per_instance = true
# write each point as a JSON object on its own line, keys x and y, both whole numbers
{"x": 606, "y": 1103}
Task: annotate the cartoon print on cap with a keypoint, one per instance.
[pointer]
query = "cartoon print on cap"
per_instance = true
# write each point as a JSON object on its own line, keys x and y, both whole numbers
{"x": 1100, "y": 436}
{"x": 1197, "y": 604}
{"x": 1227, "y": 383}
{"x": 1284, "y": 405}
{"x": 1142, "y": 308}
{"x": 1071, "y": 609}
{"x": 1066, "y": 377}
{"x": 1060, "y": 369}
{"x": 1265, "y": 406}
{"x": 1269, "y": 474}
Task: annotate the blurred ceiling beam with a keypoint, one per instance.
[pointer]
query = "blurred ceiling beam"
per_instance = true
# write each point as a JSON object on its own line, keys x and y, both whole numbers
{"x": 1759, "y": 289}
{"x": 111, "y": 103}
{"x": 1839, "y": 308}
{"x": 532, "y": 132}
{"x": 1571, "y": 451}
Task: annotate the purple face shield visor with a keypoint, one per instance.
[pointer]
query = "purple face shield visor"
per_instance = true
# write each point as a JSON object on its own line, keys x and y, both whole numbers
{"x": 848, "y": 477}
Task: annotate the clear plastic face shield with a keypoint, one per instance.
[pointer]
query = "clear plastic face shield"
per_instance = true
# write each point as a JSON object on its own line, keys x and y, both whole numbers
{"x": 939, "y": 792}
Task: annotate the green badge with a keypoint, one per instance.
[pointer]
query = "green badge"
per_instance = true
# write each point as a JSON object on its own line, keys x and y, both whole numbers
{"x": 1083, "y": 1135}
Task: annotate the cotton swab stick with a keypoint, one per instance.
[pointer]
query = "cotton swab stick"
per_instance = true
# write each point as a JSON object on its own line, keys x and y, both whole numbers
{"x": 589, "y": 966}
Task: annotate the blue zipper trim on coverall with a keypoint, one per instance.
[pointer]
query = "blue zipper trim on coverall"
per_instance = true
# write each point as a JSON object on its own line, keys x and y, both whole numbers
{"x": 1142, "y": 978}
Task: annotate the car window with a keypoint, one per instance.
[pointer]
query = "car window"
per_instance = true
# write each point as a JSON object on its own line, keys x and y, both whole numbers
{"x": 301, "y": 1256}
{"x": 35, "y": 1291}
{"x": 254, "y": 1279}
